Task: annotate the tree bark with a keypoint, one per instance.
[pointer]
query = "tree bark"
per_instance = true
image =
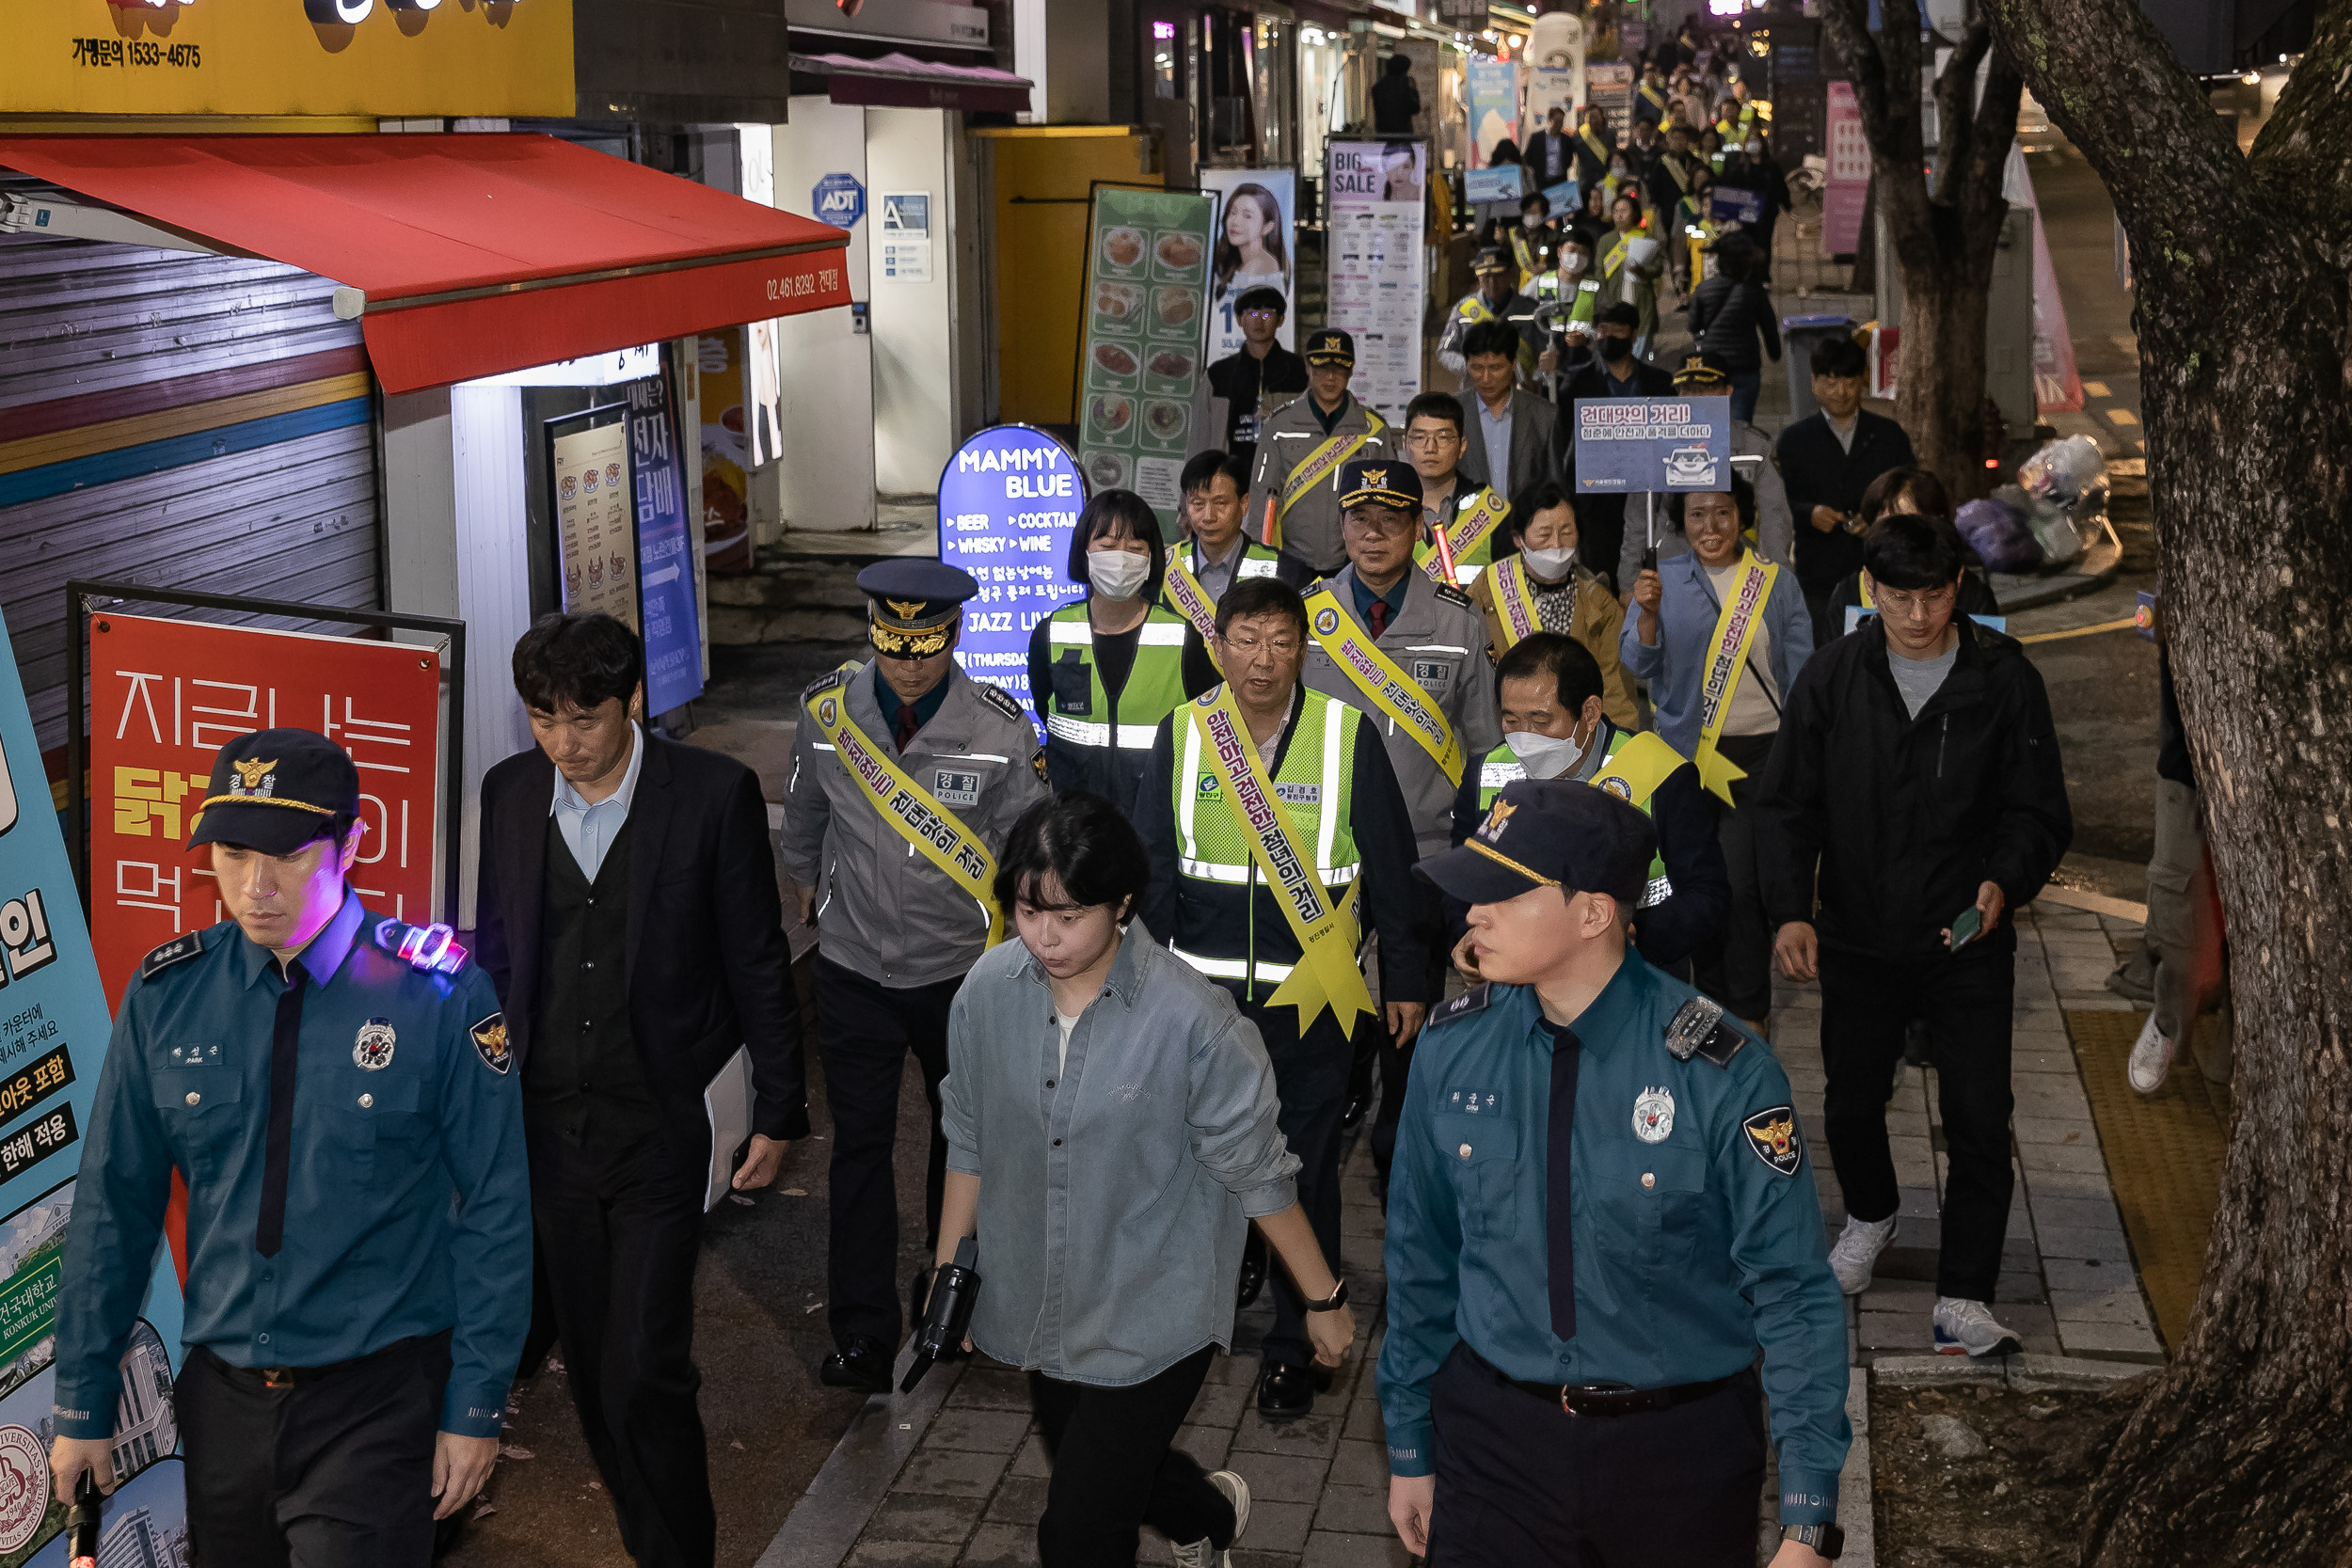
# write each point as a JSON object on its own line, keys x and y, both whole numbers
{"x": 1942, "y": 232}
{"x": 2243, "y": 1451}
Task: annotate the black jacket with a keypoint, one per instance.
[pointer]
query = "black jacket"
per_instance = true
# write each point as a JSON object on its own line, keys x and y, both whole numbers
{"x": 1600, "y": 520}
{"x": 709, "y": 969}
{"x": 1394, "y": 103}
{"x": 1725, "y": 317}
{"x": 1816, "y": 471}
{"x": 1905, "y": 817}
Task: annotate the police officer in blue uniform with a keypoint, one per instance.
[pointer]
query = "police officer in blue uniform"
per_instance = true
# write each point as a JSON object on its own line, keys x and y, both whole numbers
{"x": 336, "y": 1091}
{"x": 1600, "y": 1207}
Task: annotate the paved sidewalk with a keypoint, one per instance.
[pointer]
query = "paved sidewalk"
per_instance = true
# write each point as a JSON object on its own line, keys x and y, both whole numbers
{"x": 973, "y": 1482}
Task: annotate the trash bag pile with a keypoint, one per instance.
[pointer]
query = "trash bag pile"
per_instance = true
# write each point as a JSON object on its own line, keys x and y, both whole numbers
{"x": 2042, "y": 522}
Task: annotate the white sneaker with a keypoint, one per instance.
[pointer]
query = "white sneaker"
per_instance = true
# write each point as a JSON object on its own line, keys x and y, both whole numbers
{"x": 1966, "y": 1328}
{"x": 2152, "y": 1059}
{"x": 1203, "y": 1553}
{"x": 1856, "y": 1253}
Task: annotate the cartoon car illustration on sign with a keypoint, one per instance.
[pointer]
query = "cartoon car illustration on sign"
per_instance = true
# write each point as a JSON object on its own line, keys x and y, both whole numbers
{"x": 1691, "y": 468}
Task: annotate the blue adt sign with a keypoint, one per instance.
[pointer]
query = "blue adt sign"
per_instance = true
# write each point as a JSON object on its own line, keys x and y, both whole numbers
{"x": 838, "y": 199}
{"x": 1633, "y": 445}
{"x": 1008, "y": 503}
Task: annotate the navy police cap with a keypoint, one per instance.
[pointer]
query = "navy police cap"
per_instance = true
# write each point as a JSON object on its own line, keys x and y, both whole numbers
{"x": 916, "y": 603}
{"x": 1380, "y": 481}
{"x": 1550, "y": 833}
{"x": 1331, "y": 346}
{"x": 273, "y": 790}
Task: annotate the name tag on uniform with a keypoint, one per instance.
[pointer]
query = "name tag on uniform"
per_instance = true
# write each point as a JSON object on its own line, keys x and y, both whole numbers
{"x": 195, "y": 1056}
{"x": 1298, "y": 794}
{"x": 1468, "y": 1103}
{"x": 1431, "y": 673}
{"x": 956, "y": 789}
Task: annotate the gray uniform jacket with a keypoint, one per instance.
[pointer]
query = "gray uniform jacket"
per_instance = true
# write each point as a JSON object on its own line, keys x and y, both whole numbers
{"x": 1775, "y": 530}
{"x": 1310, "y": 530}
{"x": 1439, "y": 638}
{"x": 884, "y": 911}
{"x": 1117, "y": 1186}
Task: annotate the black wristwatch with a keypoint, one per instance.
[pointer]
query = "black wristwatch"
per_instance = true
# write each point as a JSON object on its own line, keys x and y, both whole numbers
{"x": 1828, "y": 1539}
{"x": 1332, "y": 1303}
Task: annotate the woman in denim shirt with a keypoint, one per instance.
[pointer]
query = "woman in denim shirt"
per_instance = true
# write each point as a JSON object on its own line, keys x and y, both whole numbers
{"x": 1110, "y": 1125}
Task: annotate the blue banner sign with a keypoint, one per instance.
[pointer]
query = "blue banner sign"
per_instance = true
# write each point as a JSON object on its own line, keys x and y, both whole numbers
{"x": 1735, "y": 205}
{"x": 665, "y": 563}
{"x": 1632, "y": 445}
{"x": 1008, "y": 503}
{"x": 1499, "y": 183}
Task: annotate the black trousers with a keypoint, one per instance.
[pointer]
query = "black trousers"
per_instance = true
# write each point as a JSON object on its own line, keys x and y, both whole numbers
{"x": 619, "y": 1231}
{"x": 1310, "y": 1081}
{"x": 864, "y": 1030}
{"x": 1735, "y": 968}
{"x": 1115, "y": 1468}
{"x": 1867, "y": 1004}
{"x": 336, "y": 1473}
{"x": 1396, "y": 1061}
{"x": 1521, "y": 1483}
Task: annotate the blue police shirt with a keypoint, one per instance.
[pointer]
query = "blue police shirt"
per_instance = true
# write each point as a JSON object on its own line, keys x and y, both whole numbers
{"x": 1697, "y": 1231}
{"x": 407, "y": 1201}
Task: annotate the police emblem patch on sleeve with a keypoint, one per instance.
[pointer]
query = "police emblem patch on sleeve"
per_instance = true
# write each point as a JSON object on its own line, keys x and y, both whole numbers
{"x": 489, "y": 1042}
{"x": 1776, "y": 1138}
{"x": 373, "y": 1049}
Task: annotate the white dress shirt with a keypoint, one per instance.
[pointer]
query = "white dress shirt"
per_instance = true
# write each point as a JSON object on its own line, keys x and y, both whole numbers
{"x": 589, "y": 830}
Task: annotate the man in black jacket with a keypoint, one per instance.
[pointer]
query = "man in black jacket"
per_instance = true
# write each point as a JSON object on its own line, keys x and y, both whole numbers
{"x": 628, "y": 915}
{"x": 1917, "y": 775}
{"x": 1826, "y": 460}
{"x": 1613, "y": 372}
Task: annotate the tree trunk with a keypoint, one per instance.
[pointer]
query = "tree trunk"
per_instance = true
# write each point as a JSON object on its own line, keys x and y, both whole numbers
{"x": 1941, "y": 355}
{"x": 2243, "y": 1451}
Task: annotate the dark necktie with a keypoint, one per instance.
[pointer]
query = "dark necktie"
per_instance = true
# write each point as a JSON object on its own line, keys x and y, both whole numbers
{"x": 1378, "y": 616}
{"x": 1558, "y": 1235}
{"x": 285, "y": 1038}
{"x": 907, "y": 724}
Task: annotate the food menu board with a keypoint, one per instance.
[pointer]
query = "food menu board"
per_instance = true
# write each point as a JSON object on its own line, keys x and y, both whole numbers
{"x": 595, "y": 524}
{"x": 1377, "y": 267}
{"x": 1147, "y": 274}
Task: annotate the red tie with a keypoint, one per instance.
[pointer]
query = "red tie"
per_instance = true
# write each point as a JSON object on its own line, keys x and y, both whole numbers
{"x": 1378, "y": 616}
{"x": 907, "y": 724}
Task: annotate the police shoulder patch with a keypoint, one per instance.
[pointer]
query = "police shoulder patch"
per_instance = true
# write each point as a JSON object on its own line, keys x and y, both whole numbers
{"x": 489, "y": 1044}
{"x": 1777, "y": 1139}
{"x": 825, "y": 682}
{"x": 1001, "y": 700}
{"x": 1697, "y": 1029}
{"x": 178, "y": 950}
{"x": 1453, "y": 595}
{"x": 1472, "y": 1001}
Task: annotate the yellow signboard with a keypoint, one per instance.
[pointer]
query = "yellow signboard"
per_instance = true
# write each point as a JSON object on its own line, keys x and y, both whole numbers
{"x": 324, "y": 57}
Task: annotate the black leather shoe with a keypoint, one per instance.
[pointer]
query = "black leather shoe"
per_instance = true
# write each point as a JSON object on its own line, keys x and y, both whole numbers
{"x": 1284, "y": 1391}
{"x": 863, "y": 1363}
{"x": 1252, "y": 1269}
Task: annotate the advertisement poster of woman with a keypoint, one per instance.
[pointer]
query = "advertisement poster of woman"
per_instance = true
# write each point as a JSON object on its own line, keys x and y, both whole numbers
{"x": 1253, "y": 250}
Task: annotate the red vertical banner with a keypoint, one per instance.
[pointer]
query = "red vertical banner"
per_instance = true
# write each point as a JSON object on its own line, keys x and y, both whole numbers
{"x": 166, "y": 695}
{"x": 1846, "y": 184}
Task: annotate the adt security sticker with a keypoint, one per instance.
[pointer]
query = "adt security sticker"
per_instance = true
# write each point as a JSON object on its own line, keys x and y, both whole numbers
{"x": 838, "y": 199}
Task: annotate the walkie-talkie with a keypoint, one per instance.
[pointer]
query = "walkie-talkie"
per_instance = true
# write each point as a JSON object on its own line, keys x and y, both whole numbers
{"x": 81, "y": 1524}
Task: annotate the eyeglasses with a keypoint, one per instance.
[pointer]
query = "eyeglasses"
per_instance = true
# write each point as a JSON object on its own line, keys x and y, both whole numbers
{"x": 1911, "y": 604}
{"x": 1247, "y": 648}
{"x": 1430, "y": 440}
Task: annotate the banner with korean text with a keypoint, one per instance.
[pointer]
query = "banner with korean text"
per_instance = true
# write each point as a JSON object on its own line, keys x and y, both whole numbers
{"x": 54, "y": 1029}
{"x": 1632, "y": 445}
{"x": 166, "y": 695}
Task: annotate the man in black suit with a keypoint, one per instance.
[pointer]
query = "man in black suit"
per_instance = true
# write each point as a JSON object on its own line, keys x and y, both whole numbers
{"x": 1549, "y": 155}
{"x": 1613, "y": 373}
{"x": 1826, "y": 460}
{"x": 629, "y": 915}
{"x": 1513, "y": 438}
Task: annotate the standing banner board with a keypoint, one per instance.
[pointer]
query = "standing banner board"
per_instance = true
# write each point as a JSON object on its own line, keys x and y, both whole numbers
{"x": 1377, "y": 279}
{"x": 1502, "y": 183}
{"x": 1630, "y": 445}
{"x": 54, "y": 1029}
{"x": 2057, "y": 385}
{"x": 595, "y": 524}
{"x": 1257, "y": 224}
{"x": 1550, "y": 87}
{"x": 1491, "y": 91}
{"x": 164, "y": 697}
{"x": 1008, "y": 503}
{"x": 1848, "y": 182}
{"x": 1609, "y": 87}
{"x": 1147, "y": 274}
{"x": 672, "y": 626}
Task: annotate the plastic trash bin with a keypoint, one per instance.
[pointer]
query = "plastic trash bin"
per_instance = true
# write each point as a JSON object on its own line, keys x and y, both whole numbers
{"x": 1800, "y": 335}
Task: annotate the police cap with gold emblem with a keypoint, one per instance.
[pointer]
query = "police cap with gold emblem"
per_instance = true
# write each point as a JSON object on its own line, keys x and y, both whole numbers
{"x": 1550, "y": 833}
{"x": 1330, "y": 346}
{"x": 1380, "y": 481}
{"x": 276, "y": 790}
{"x": 915, "y": 605}
{"x": 1491, "y": 259}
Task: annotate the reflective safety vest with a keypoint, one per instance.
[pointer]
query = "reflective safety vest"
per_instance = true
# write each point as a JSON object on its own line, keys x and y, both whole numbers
{"x": 1080, "y": 711}
{"x": 1256, "y": 561}
{"x": 1316, "y": 786}
{"x": 1644, "y": 768}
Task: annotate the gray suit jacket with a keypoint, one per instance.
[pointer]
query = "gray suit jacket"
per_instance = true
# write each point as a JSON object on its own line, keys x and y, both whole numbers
{"x": 1534, "y": 444}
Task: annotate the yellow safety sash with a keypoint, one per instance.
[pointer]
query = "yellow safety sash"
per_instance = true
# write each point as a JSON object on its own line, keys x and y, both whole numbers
{"x": 1322, "y": 461}
{"x": 1515, "y": 599}
{"x": 1327, "y": 975}
{"x": 1657, "y": 100}
{"x": 1635, "y": 769}
{"x": 1600, "y": 149}
{"x": 1187, "y": 598}
{"x": 935, "y": 832}
{"x": 1866, "y": 591}
{"x": 1726, "y": 661}
{"x": 1389, "y": 689}
{"x": 1464, "y": 536}
{"x": 1610, "y": 263}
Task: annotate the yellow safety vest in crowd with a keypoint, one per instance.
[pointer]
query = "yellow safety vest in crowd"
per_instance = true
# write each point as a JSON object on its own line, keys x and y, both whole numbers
{"x": 1631, "y": 769}
{"x": 1155, "y": 688}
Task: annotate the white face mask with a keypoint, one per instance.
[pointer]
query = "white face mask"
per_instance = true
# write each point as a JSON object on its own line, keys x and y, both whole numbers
{"x": 1572, "y": 262}
{"x": 1117, "y": 574}
{"x": 1545, "y": 756}
{"x": 1551, "y": 565}
{"x": 1755, "y": 149}
{"x": 1531, "y": 220}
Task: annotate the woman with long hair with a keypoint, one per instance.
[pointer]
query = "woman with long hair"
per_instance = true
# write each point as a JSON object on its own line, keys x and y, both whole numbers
{"x": 1250, "y": 250}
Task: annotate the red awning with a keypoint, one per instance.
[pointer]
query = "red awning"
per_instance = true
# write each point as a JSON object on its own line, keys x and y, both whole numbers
{"x": 903, "y": 82}
{"x": 468, "y": 255}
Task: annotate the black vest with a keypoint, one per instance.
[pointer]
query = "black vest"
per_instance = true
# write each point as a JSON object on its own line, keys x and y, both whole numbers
{"x": 584, "y": 1079}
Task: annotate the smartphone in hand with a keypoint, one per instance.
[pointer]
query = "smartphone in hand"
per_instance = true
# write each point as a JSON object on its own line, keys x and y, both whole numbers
{"x": 1965, "y": 928}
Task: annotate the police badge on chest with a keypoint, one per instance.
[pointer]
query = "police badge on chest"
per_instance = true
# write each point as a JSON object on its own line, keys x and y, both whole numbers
{"x": 373, "y": 1049}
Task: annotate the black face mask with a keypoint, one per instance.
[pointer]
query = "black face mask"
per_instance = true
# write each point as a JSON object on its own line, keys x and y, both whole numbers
{"x": 1614, "y": 349}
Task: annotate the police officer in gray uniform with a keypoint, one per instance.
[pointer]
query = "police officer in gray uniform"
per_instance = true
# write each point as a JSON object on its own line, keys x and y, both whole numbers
{"x": 895, "y": 932}
{"x": 1308, "y": 441}
{"x": 335, "y": 1088}
{"x": 1601, "y": 1207}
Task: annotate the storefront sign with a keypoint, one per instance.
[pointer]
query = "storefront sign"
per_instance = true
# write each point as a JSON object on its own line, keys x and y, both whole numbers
{"x": 1609, "y": 86}
{"x": 289, "y": 57}
{"x": 1147, "y": 271}
{"x": 1008, "y": 501}
{"x": 1630, "y": 445}
{"x": 54, "y": 1029}
{"x": 838, "y": 199}
{"x": 1848, "y": 177}
{"x": 728, "y": 425}
{"x": 1490, "y": 92}
{"x": 672, "y": 626}
{"x": 1377, "y": 273}
{"x": 166, "y": 695}
{"x": 595, "y": 511}
{"x": 1256, "y": 225}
